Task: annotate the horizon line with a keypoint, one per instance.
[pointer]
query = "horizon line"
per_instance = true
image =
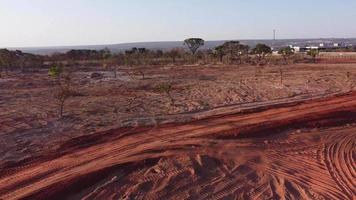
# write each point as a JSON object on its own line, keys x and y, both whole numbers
{"x": 86, "y": 45}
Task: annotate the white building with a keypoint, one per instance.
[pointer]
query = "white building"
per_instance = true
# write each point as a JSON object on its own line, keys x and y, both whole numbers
{"x": 312, "y": 47}
{"x": 296, "y": 48}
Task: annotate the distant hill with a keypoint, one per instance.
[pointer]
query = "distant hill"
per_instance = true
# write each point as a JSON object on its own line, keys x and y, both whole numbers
{"x": 173, "y": 44}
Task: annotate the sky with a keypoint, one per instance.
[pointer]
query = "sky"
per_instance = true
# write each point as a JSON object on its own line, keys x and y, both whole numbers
{"x": 35, "y": 23}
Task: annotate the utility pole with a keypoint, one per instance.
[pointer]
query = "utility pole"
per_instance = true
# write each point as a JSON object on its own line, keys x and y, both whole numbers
{"x": 274, "y": 39}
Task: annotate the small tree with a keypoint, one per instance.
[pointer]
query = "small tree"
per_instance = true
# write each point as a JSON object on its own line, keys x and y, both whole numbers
{"x": 105, "y": 53}
{"x": 235, "y": 50}
{"x": 55, "y": 71}
{"x": 286, "y": 52}
{"x": 143, "y": 55}
{"x": 313, "y": 53}
{"x": 281, "y": 75}
{"x": 261, "y": 50}
{"x": 166, "y": 88}
{"x": 63, "y": 89}
{"x": 62, "y": 94}
{"x": 7, "y": 58}
{"x": 194, "y": 44}
{"x": 142, "y": 73}
{"x": 174, "y": 53}
{"x": 219, "y": 51}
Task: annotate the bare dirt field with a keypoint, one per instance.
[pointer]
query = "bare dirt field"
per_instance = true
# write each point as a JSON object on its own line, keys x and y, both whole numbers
{"x": 221, "y": 132}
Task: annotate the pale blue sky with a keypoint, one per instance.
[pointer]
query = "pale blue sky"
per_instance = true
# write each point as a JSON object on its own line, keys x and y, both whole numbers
{"x": 83, "y": 22}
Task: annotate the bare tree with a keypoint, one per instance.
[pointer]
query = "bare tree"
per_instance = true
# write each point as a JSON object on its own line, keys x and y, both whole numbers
{"x": 174, "y": 53}
{"x": 61, "y": 95}
{"x": 63, "y": 90}
{"x": 167, "y": 88}
{"x": 281, "y": 75}
{"x": 142, "y": 73}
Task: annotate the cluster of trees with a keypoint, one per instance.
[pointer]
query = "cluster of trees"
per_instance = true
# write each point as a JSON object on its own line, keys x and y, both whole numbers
{"x": 337, "y": 49}
{"x": 11, "y": 60}
{"x": 231, "y": 52}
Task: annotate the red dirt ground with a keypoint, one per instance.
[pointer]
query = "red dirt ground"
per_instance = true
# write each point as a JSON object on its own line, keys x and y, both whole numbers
{"x": 232, "y": 133}
{"x": 213, "y": 158}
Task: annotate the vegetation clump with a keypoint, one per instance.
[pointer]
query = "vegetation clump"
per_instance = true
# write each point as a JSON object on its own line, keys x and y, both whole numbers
{"x": 55, "y": 71}
{"x": 166, "y": 88}
{"x": 261, "y": 51}
{"x": 286, "y": 52}
{"x": 194, "y": 44}
{"x": 313, "y": 53}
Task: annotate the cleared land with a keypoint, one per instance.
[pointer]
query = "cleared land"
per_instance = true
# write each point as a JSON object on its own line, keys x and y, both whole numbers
{"x": 238, "y": 133}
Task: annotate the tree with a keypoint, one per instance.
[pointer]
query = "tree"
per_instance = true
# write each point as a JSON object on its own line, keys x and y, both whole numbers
{"x": 194, "y": 44}
{"x": 234, "y": 49}
{"x": 105, "y": 53}
{"x": 62, "y": 94}
{"x": 313, "y": 53}
{"x": 63, "y": 91}
{"x": 261, "y": 50}
{"x": 219, "y": 51}
{"x": 143, "y": 55}
{"x": 131, "y": 56}
{"x": 286, "y": 52}
{"x": 281, "y": 75}
{"x": 166, "y": 88}
{"x": 116, "y": 61}
{"x": 55, "y": 71}
{"x": 174, "y": 53}
{"x": 7, "y": 58}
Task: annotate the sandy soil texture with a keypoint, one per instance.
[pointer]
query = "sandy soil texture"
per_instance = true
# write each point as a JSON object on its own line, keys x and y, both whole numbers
{"x": 258, "y": 154}
{"x": 30, "y": 126}
{"x": 231, "y": 132}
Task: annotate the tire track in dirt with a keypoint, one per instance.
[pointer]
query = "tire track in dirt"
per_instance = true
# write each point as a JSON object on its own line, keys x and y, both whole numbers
{"x": 171, "y": 141}
{"x": 338, "y": 154}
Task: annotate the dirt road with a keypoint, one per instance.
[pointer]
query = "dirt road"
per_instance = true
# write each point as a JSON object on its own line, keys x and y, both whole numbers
{"x": 304, "y": 151}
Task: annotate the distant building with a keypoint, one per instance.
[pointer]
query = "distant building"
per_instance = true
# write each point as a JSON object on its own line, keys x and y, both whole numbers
{"x": 296, "y": 48}
{"x": 305, "y": 48}
{"x": 337, "y": 45}
{"x": 312, "y": 47}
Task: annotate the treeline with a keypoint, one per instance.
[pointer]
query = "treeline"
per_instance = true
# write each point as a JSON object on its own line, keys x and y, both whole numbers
{"x": 11, "y": 60}
{"x": 231, "y": 52}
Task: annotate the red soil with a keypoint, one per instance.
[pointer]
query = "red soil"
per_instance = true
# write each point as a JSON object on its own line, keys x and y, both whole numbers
{"x": 227, "y": 156}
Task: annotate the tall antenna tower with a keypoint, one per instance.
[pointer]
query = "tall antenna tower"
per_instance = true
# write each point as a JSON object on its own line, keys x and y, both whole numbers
{"x": 274, "y": 39}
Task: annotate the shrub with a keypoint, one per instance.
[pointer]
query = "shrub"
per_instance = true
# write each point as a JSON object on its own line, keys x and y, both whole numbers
{"x": 55, "y": 71}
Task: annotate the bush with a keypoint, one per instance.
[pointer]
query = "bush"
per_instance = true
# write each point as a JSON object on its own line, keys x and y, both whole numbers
{"x": 166, "y": 88}
{"x": 55, "y": 71}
